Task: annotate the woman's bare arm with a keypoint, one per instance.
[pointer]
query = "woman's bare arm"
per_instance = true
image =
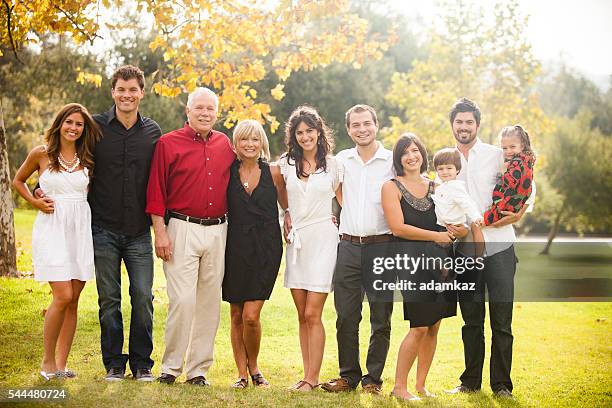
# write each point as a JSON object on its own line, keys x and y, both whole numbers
{"x": 36, "y": 161}
{"x": 392, "y": 208}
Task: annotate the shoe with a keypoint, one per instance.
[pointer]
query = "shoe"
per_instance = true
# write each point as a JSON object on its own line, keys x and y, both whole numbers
{"x": 259, "y": 380}
{"x": 371, "y": 389}
{"x": 402, "y": 398}
{"x": 115, "y": 374}
{"x": 144, "y": 375}
{"x": 503, "y": 393}
{"x": 337, "y": 385}
{"x": 303, "y": 386}
{"x": 199, "y": 380}
{"x": 166, "y": 378}
{"x": 461, "y": 389}
{"x": 241, "y": 383}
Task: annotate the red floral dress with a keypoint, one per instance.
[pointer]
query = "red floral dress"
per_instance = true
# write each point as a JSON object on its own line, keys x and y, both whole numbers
{"x": 514, "y": 188}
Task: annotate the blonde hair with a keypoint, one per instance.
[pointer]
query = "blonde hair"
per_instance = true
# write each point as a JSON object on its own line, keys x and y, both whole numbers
{"x": 247, "y": 128}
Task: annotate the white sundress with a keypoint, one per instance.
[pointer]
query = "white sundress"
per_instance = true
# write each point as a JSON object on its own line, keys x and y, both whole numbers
{"x": 311, "y": 255}
{"x": 62, "y": 244}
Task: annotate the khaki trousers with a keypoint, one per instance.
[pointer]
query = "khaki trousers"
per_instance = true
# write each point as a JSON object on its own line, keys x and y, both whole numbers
{"x": 193, "y": 278}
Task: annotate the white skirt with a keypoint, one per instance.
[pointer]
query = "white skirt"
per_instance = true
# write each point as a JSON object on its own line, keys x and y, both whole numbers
{"x": 311, "y": 266}
{"x": 62, "y": 244}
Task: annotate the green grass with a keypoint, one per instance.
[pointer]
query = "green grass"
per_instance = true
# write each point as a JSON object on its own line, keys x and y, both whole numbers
{"x": 562, "y": 351}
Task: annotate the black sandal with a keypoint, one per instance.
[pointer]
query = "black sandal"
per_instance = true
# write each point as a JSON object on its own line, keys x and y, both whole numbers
{"x": 259, "y": 380}
{"x": 241, "y": 383}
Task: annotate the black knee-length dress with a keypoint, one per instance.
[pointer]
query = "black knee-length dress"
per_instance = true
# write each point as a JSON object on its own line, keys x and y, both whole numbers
{"x": 424, "y": 308}
{"x": 254, "y": 246}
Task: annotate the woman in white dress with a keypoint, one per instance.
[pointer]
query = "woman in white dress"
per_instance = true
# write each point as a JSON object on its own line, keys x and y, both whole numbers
{"x": 312, "y": 178}
{"x": 62, "y": 247}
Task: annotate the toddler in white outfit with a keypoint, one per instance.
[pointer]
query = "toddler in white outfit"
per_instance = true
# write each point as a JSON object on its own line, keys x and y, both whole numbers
{"x": 453, "y": 204}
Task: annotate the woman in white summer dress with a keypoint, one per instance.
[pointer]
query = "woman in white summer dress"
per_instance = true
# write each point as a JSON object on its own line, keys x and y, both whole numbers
{"x": 311, "y": 178}
{"x": 62, "y": 245}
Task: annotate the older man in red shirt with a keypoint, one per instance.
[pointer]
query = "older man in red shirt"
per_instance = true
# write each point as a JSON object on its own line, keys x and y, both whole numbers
{"x": 187, "y": 185}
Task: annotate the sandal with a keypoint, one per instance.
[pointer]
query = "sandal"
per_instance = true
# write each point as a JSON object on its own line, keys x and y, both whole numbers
{"x": 241, "y": 383}
{"x": 47, "y": 375}
{"x": 298, "y": 386}
{"x": 259, "y": 380}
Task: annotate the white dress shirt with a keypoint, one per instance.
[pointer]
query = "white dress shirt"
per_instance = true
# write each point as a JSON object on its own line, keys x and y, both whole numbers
{"x": 480, "y": 172}
{"x": 362, "y": 214}
{"x": 453, "y": 204}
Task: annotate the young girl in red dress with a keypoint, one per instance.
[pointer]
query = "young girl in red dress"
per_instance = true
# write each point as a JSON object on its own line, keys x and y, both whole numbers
{"x": 514, "y": 188}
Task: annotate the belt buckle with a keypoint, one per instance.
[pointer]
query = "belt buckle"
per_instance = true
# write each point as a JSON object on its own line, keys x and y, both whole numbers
{"x": 187, "y": 218}
{"x": 219, "y": 220}
{"x": 361, "y": 242}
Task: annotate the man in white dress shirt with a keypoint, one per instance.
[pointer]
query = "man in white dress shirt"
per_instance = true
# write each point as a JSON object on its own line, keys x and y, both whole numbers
{"x": 481, "y": 163}
{"x": 366, "y": 167}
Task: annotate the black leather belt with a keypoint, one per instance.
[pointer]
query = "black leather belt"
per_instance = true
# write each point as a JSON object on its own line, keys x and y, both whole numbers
{"x": 200, "y": 221}
{"x": 372, "y": 239}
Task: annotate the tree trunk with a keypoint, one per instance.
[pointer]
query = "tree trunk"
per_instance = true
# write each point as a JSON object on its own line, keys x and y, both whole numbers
{"x": 554, "y": 230}
{"x": 8, "y": 253}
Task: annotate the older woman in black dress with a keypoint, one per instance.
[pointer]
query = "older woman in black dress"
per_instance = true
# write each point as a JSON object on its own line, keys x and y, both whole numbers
{"x": 410, "y": 213}
{"x": 254, "y": 245}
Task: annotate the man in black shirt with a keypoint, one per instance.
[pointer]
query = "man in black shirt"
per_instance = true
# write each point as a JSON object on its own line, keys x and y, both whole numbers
{"x": 120, "y": 226}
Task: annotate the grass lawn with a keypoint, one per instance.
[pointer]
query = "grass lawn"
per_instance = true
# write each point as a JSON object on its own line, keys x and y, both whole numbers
{"x": 562, "y": 351}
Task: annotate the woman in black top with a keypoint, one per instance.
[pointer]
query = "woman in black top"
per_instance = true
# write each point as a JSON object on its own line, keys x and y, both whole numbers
{"x": 254, "y": 245}
{"x": 410, "y": 213}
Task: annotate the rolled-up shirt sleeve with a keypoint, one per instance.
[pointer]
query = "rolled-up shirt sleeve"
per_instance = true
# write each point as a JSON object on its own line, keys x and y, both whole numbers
{"x": 530, "y": 203}
{"x": 158, "y": 177}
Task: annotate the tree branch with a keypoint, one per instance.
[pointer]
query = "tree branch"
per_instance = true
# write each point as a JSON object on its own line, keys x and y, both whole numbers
{"x": 9, "y": 9}
{"x": 89, "y": 37}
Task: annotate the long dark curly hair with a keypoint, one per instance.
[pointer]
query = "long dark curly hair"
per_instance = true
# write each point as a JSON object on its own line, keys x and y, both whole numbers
{"x": 84, "y": 144}
{"x": 325, "y": 142}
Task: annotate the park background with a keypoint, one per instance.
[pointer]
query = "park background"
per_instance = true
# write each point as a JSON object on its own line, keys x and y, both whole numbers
{"x": 264, "y": 59}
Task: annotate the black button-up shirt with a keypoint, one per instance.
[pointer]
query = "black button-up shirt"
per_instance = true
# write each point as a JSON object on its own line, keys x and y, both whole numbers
{"x": 118, "y": 191}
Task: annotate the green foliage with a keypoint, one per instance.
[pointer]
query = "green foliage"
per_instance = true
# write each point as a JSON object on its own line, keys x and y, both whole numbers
{"x": 579, "y": 170}
{"x": 33, "y": 89}
{"x": 485, "y": 58}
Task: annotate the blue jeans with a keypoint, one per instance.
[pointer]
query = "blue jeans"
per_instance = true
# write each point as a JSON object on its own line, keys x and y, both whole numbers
{"x": 109, "y": 249}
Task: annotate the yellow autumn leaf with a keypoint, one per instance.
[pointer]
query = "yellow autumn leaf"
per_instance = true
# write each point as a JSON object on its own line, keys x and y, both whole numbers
{"x": 277, "y": 92}
{"x": 274, "y": 125}
{"x": 88, "y": 78}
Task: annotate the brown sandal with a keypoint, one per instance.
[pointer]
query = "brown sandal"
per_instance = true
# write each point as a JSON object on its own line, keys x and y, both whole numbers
{"x": 241, "y": 383}
{"x": 298, "y": 386}
{"x": 259, "y": 380}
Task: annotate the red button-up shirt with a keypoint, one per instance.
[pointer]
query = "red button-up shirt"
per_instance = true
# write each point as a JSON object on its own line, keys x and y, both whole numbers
{"x": 190, "y": 174}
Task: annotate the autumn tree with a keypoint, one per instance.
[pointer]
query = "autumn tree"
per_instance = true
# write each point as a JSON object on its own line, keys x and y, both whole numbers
{"x": 21, "y": 23}
{"x": 227, "y": 45}
{"x": 335, "y": 88}
{"x": 483, "y": 56}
